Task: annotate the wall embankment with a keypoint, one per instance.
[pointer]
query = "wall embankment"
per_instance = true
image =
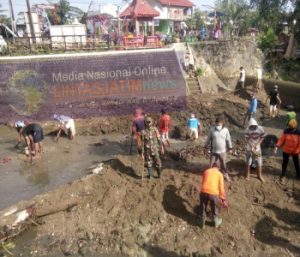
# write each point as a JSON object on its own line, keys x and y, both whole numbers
{"x": 289, "y": 91}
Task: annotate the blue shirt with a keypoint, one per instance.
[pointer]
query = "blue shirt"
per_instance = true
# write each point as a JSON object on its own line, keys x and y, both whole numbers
{"x": 193, "y": 123}
{"x": 253, "y": 105}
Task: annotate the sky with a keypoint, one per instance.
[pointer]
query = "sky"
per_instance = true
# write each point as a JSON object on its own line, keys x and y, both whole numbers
{"x": 20, "y": 5}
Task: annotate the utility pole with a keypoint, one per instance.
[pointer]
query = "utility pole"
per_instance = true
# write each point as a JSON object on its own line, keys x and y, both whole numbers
{"x": 12, "y": 16}
{"x": 118, "y": 17}
{"x": 30, "y": 21}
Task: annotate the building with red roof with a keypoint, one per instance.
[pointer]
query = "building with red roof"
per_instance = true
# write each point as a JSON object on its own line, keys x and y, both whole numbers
{"x": 179, "y": 3}
{"x": 165, "y": 15}
{"x": 140, "y": 11}
{"x": 172, "y": 13}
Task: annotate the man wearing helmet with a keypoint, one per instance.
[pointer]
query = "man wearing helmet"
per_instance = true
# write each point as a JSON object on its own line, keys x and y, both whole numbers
{"x": 151, "y": 146}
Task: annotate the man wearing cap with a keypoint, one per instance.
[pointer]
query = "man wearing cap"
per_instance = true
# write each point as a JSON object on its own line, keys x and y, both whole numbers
{"x": 151, "y": 146}
{"x": 212, "y": 191}
{"x": 291, "y": 114}
{"x": 254, "y": 136}
{"x": 290, "y": 143}
{"x": 274, "y": 101}
{"x": 18, "y": 125}
{"x": 194, "y": 127}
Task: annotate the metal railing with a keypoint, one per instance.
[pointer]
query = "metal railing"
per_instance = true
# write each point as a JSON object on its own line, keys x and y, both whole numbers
{"x": 56, "y": 44}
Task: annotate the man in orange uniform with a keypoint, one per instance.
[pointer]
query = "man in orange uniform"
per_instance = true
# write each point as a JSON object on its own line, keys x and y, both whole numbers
{"x": 290, "y": 143}
{"x": 212, "y": 191}
{"x": 164, "y": 127}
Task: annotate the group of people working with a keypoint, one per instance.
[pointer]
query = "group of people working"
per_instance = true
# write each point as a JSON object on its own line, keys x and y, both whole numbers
{"x": 152, "y": 142}
{"x": 274, "y": 101}
{"x": 33, "y": 133}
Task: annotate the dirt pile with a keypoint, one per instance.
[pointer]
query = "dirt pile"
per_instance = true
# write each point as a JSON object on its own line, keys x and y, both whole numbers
{"x": 116, "y": 214}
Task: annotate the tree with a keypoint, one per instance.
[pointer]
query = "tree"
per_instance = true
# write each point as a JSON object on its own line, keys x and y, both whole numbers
{"x": 4, "y": 19}
{"x": 270, "y": 12}
{"x": 196, "y": 21}
{"x": 63, "y": 12}
{"x": 238, "y": 14}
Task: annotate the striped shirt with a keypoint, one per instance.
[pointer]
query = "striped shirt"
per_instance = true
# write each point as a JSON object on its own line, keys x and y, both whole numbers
{"x": 254, "y": 136}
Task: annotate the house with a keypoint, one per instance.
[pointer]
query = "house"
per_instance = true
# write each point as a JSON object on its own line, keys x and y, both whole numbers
{"x": 172, "y": 12}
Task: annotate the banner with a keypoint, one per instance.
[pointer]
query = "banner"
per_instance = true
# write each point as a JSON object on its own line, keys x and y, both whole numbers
{"x": 91, "y": 85}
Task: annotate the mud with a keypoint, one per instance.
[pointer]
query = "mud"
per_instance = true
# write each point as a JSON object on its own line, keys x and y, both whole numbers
{"x": 119, "y": 214}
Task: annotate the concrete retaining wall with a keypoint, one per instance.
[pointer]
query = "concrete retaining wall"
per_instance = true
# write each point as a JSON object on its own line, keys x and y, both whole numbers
{"x": 289, "y": 91}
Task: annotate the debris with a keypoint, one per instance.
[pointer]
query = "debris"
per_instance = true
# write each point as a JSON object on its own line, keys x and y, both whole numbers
{"x": 5, "y": 160}
{"x": 22, "y": 216}
{"x": 98, "y": 169}
{"x": 10, "y": 211}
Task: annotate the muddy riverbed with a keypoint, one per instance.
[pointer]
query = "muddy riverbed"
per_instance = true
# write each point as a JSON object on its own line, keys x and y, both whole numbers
{"x": 115, "y": 214}
{"x": 61, "y": 163}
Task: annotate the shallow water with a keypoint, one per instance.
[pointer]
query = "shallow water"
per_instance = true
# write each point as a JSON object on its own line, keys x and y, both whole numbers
{"x": 61, "y": 163}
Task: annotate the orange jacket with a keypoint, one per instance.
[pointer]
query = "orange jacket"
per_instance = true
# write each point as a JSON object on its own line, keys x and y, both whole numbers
{"x": 213, "y": 182}
{"x": 290, "y": 141}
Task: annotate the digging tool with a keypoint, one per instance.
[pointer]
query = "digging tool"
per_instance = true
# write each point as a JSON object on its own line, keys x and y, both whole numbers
{"x": 143, "y": 164}
{"x": 131, "y": 143}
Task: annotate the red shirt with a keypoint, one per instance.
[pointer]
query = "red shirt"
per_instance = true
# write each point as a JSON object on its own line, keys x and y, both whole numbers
{"x": 164, "y": 123}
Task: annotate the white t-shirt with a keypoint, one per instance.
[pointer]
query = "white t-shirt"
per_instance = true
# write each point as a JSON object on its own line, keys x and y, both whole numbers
{"x": 191, "y": 60}
{"x": 259, "y": 73}
{"x": 242, "y": 75}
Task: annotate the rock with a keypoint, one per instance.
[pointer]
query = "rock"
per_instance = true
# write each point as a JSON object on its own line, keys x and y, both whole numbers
{"x": 232, "y": 244}
{"x": 90, "y": 236}
{"x": 69, "y": 248}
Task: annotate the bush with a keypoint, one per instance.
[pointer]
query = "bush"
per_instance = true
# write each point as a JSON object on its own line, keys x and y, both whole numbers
{"x": 198, "y": 72}
{"x": 267, "y": 40}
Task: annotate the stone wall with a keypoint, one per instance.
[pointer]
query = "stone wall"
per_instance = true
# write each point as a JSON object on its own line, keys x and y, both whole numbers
{"x": 226, "y": 57}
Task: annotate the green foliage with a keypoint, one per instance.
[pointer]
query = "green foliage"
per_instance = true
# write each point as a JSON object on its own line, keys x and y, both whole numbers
{"x": 238, "y": 12}
{"x": 267, "y": 40}
{"x": 196, "y": 21}
{"x": 63, "y": 9}
{"x": 63, "y": 12}
{"x": 198, "y": 72}
{"x": 4, "y": 19}
{"x": 271, "y": 12}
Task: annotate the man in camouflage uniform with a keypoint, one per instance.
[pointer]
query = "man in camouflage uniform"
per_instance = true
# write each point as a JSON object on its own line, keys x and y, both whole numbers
{"x": 151, "y": 145}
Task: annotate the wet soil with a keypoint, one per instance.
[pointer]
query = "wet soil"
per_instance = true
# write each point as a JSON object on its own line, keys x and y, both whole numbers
{"x": 120, "y": 214}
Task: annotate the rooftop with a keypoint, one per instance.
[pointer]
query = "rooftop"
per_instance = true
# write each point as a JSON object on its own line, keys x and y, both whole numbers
{"x": 139, "y": 8}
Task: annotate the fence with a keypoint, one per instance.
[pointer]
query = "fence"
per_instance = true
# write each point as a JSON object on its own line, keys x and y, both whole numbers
{"x": 56, "y": 44}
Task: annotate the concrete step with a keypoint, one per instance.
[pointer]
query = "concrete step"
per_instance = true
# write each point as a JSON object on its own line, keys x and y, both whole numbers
{"x": 194, "y": 87}
{"x": 191, "y": 79}
{"x": 195, "y": 92}
{"x": 193, "y": 83}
